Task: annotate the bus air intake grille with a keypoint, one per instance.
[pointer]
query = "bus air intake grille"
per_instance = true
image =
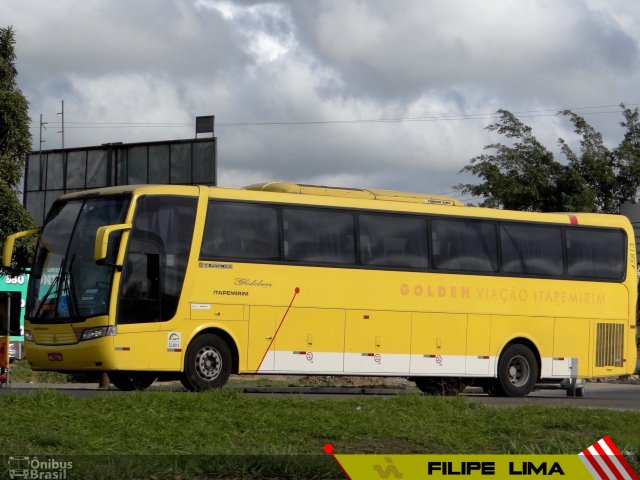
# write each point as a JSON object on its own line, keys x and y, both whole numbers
{"x": 56, "y": 339}
{"x": 609, "y": 345}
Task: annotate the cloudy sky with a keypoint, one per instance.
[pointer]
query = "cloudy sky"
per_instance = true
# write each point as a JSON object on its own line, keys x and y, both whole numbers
{"x": 381, "y": 93}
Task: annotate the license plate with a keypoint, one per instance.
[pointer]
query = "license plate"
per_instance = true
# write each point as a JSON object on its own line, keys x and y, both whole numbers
{"x": 55, "y": 357}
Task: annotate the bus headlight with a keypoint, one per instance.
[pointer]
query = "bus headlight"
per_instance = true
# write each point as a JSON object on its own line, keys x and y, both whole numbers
{"x": 28, "y": 336}
{"x": 97, "y": 332}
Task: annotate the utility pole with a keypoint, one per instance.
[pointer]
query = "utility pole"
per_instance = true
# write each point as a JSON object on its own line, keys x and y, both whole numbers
{"x": 42, "y": 126}
{"x": 61, "y": 113}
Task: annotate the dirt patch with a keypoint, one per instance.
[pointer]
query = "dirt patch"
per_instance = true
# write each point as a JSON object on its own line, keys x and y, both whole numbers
{"x": 346, "y": 381}
{"x": 329, "y": 380}
{"x": 628, "y": 379}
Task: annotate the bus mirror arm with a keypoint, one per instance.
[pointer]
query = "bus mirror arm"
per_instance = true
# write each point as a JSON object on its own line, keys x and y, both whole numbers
{"x": 103, "y": 241}
{"x": 9, "y": 243}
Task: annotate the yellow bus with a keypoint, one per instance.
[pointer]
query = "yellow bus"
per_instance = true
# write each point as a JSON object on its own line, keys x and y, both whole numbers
{"x": 196, "y": 283}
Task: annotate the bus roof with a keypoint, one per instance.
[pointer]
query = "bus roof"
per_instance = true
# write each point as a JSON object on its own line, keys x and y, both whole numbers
{"x": 367, "y": 194}
{"x": 409, "y": 202}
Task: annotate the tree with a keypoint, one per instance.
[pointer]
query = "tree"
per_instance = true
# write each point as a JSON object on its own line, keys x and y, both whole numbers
{"x": 519, "y": 176}
{"x": 627, "y": 155}
{"x": 15, "y": 146}
{"x": 524, "y": 175}
{"x": 593, "y": 170}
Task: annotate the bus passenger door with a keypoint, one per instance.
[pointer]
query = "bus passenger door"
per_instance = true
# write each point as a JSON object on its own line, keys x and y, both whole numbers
{"x": 262, "y": 330}
{"x": 311, "y": 340}
{"x": 139, "y": 313}
{"x": 377, "y": 342}
{"x": 151, "y": 283}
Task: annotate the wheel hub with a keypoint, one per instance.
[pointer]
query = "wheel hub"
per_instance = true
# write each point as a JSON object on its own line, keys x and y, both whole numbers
{"x": 208, "y": 363}
{"x": 518, "y": 371}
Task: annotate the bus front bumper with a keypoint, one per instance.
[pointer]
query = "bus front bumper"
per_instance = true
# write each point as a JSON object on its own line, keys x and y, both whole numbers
{"x": 89, "y": 355}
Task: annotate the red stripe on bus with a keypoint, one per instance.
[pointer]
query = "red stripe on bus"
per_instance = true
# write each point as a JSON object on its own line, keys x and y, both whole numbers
{"x": 296, "y": 291}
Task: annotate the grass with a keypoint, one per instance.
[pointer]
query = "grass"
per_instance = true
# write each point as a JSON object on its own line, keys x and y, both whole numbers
{"x": 257, "y": 437}
{"x": 21, "y": 372}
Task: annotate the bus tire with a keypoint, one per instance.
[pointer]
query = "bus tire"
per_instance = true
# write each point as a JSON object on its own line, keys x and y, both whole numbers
{"x": 207, "y": 363}
{"x": 517, "y": 372}
{"x": 129, "y": 381}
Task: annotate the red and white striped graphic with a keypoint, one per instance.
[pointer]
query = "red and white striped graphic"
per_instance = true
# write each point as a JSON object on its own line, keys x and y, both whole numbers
{"x": 604, "y": 461}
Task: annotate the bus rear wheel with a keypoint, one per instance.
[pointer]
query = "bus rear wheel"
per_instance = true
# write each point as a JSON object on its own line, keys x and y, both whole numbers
{"x": 129, "y": 381}
{"x": 207, "y": 363}
{"x": 517, "y": 372}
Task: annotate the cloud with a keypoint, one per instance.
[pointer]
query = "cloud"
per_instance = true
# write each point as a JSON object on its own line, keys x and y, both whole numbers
{"x": 117, "y": 35}
{"x": 498, "y": 46}
{"x": 317, "y": 69}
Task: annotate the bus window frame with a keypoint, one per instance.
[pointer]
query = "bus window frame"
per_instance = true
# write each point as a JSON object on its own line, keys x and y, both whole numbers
{"x": 356, "y": 212}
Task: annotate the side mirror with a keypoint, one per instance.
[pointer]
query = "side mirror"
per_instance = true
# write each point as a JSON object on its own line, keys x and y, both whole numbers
{"x": 9, "y": 243}
{"x": 104, "y": 243}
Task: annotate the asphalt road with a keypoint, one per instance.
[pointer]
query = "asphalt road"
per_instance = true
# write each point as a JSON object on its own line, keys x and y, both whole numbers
{"x": 597, "y": 395}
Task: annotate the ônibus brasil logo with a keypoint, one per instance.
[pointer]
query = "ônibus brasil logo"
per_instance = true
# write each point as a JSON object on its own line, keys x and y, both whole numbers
{"x": 34, "y": 468}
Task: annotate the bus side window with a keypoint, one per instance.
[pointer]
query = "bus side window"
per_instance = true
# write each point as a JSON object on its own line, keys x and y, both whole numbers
{"x": 464, "y": 245}
{"x": 314, "y": 235}
{"x": 531, "y": 249}
{"x": 393, "y": 241}
{"x": 240, "y": 231}
{"x": 143, "y": 263}
{"x": 595, "y": 253}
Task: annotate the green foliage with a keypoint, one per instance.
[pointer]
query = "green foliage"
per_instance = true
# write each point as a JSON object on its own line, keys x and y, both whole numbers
{"x": 15, "y": 219}
{"x": 627, "y": 154}
{"x": 524, "y": 175}
{"x": 521, "y": 176}
{"x": 15, "y": 138}
{"x": 15, "y": 146}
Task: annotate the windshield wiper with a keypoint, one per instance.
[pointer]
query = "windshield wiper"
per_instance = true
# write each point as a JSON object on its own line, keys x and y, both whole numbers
{"x": 67, "y": 284}
{"x": 46, "y": 295}
{"x": 72, "y": 299}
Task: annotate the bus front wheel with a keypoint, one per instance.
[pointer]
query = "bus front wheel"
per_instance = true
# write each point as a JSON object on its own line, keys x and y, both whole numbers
{"x": 207, "y": 363}
{"x": 129, "y": 381}
{"x": 517, "y": 372}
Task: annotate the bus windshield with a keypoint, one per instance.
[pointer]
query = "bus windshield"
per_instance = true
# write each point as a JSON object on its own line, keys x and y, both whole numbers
{"x": 66, "y": 283}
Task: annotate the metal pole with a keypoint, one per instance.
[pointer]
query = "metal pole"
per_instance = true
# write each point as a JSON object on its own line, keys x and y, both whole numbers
{"x": 4, "y": 343}
{"x": 42, "y": 125}
{"x": 8, "y": 368}
{"x": 61, "y": 113}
